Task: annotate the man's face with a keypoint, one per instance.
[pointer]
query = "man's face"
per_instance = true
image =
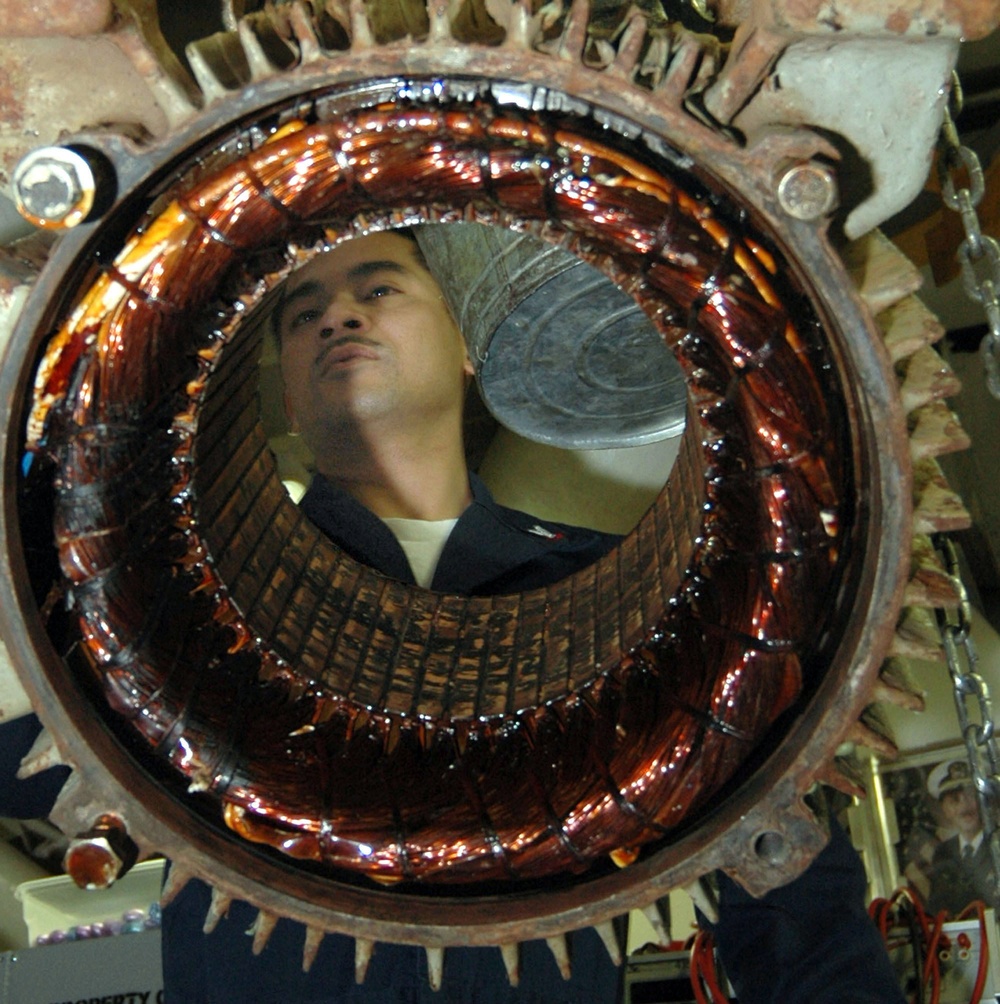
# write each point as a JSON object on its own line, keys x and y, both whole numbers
{"x": 367, "y": 339}
{"x": 961, "y": 810}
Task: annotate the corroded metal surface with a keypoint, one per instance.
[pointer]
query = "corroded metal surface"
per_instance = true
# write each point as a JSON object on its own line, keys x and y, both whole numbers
{"x": 761, "y": 831}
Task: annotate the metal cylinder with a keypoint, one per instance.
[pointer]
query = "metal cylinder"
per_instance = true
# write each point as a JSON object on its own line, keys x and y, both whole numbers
{"x": 562, "y": 355}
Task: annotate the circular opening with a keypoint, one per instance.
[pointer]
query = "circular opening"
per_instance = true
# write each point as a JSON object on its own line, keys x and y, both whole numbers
{"x": 456, "y": 739}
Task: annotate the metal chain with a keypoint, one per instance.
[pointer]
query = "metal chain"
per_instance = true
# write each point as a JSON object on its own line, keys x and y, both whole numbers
{"x": 978, "y": 254}
{"x": 972, "y": 702}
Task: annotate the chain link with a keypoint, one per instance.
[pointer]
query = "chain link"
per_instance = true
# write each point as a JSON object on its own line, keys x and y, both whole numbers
{"x": 978, "y": 254}
{"x": 972, "y": 702}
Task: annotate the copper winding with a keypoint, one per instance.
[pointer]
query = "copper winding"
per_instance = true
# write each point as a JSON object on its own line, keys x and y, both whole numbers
{"x": 345, "y": 719}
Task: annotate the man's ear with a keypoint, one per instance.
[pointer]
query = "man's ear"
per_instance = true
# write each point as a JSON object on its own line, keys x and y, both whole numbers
{"x": 467, "y": 368}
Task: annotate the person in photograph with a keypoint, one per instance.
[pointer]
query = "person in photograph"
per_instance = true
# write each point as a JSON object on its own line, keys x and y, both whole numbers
{"x": 962, "y": 868}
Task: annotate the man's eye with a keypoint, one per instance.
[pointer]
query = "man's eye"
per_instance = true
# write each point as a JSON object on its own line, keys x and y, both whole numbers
{"x": 377, "y": 292}
{"x": 304, "y": 317}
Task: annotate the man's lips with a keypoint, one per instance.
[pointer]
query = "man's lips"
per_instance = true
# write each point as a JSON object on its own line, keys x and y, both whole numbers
{"x": 345, "y": 351}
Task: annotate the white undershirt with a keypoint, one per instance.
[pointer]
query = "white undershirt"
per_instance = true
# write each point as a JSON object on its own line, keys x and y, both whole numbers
{"x": 422, "y": 541}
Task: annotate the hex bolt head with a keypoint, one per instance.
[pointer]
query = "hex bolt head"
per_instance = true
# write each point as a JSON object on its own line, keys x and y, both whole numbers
{"x": 807, "y": 191}
{"x": 56, "y": 187}
{"x": 97, "y": 858}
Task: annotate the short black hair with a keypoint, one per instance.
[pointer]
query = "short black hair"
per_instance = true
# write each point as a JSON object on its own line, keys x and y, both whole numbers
{"x": 278, "y": 310}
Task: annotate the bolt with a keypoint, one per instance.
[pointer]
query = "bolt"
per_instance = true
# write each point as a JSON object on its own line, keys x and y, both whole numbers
{"x": 807, "y": 191}
{"x": 97, "y": 858}
{"x": 55, "y": 187}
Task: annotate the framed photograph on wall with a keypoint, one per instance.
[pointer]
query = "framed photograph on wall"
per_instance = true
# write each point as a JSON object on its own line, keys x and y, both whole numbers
{"x": 937, "y": 846}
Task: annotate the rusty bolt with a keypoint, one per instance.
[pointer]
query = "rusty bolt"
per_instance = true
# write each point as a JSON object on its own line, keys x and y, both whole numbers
{"x": 57, "y": 187}
{"x": 807, "y": 191}
{"x": 97, "y": 858}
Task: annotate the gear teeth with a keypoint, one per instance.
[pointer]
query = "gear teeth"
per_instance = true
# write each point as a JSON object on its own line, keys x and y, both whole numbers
{"x": 630, "y": 47}
{"x": 937, "y": 508}
{"x": 363, "y": 949}
{"x": 917, "y": 636}
{"x": 42, "y": 755}
{"x": 205, "y": 75}
{"x": 704, "y": 898}
{"x": 435, "y": 967}
{"x": 260, "y": 64}
{"x": 609, "y": 938}
{"x": 936, "y": 431}
{"x": 519, "y": 26}
{"x": 658, "y": 921}
{"x": 301, "y": 24}
{"x": 572, "y": 43}
{"x": 511, "y": 955}
{"x": 680, "y": 74}
{"x": 439, "y": 20}
{"x": 314, "y": 938}
{"x": 217, "y": 909}
{"x": 882, "y": 274}
{"x": 928, "y": 378}
{"x": 839, "y": 776}
{"x": 870, "y": 732}
{"x": 895, "y": 686}
{"x": 362, "y": 36}
{"x": 654, "y": 63}
{"x": 930, "y": 585}
{"x": 175, "y": 881}
{"x": 262, "y": 928}
{"x": 908, "y": 327}
{"x": 559, "y": 947}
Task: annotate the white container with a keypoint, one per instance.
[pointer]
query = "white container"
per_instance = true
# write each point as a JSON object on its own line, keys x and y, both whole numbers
{"x": 58, "y": 904}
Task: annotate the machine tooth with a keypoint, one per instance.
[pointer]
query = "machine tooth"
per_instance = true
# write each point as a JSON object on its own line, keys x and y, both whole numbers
{"x": 435, "y": 967}
{"x": 917, "y": 636}
{"x": 314, "y": 938}
{"x": 511, "y": 955}
{"x": 362, "y": 36}
{"x": 655, "y": 61}
{"x": 175, "y": 881}
{"x": 937, "y": 508}
{"x": 439, "y": 21}
{"x": 573, "y": 41}
{"x": 517, "y": 22}
{"x": 310, "y": 51}
{"x": 559, "y": 947}
{"x": 704, "y": 898}
{"x": 869, "y": 733}
{"x": 929, "y": 585}
{"x": 679, "y": 74}
{"x": 928, "y": 378}
{"x": 609, "y": 937}
{"x": 362, "y": 956}
{"x": 42, "y": 755}
{"x": 909, "y": 326}
{"x": 204, "y": 74}
{"x": 752, "y": 55}
{"x": 74, "y": 809}
{"x": 936, "y": 431}
{"x": 881, "y": 272}
{"x": 895, "y": 687}
{"x": 630, "y": 47}
{"x": 261, "y": 929}
{"x": 261, "y": 66}
{"x": 217, "y": 909}
{"x": 654, "y": 914}
{"x": 835, "y": 775}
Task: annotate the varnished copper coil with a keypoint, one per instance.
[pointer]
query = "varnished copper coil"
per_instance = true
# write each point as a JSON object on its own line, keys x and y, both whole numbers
{"x": 344, "y": 718}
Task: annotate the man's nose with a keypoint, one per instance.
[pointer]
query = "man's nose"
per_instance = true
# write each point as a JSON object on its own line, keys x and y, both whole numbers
{"x": 343, "y": 313}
